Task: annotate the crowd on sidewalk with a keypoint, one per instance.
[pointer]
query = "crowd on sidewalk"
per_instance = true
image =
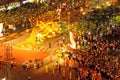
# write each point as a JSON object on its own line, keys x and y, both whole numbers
{"x": 100, "y": 61}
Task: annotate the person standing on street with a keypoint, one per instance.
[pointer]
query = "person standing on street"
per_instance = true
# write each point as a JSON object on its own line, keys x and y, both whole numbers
{"x": 63, "y": 74}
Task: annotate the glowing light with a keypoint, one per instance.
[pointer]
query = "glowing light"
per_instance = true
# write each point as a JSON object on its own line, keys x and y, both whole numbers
{"x": 81, "y": 9}
{"x": 25, "y": 2}
{"x": 38, "y": 35}
{"x": 53, "y": 32}
{"x": 98, "y": 7}
{"x": 14, "y": 28}
{"x": 59, "y": 9}
{"x": 83, "y": 13}
{"x": 53, "y": 3}
{"x": 31, "y": 0}
{"x": 64, "y": 4}
{"x": 61, "y": 61}
{"x": 89, "y": 33}
{"x": 27, "y": 30}
{"x": 4, "y": 79}
{"x": 108, "y": 3}
{"x": 103, "y": 4}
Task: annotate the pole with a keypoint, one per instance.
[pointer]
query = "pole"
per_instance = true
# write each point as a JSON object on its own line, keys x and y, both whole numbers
{"x": 68, "y": 14}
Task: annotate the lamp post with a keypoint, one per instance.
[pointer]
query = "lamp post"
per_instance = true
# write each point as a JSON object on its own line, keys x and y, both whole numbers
{"x": 8, "y": 56}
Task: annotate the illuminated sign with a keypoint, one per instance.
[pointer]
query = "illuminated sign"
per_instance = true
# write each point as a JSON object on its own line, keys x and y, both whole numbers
{"x": 1, "y": 28}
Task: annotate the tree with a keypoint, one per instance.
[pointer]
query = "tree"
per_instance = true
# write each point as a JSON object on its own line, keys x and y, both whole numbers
{"x": 117, "y": 19}
{"x": 6, "y": 3}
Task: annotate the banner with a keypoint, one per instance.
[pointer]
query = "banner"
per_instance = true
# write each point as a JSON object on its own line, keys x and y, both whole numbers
{"x": 72, "y": 41}
{"x": 1, "y": 28}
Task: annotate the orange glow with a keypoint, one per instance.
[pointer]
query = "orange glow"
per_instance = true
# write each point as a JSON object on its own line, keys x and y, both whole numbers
{"x": 83, "y": 13}
{"x": 98, "y": 7}
{"x": 53, "y": 3}
{"x": 61, "y": 61}
{"x": 81, "y": 9}
{"x": 27, "y": 30}
{"x": 108, "y": 3}
{"x": 64, "y": 4}
{"x": 25, "y": 55}
{"x": 114, "y": 2}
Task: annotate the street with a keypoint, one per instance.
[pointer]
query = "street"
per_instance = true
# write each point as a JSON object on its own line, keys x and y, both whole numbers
{"x": 45, "y": 54}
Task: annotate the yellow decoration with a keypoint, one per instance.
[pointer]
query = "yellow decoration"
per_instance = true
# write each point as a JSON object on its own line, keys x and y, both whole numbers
{"x": 44, "y": 30}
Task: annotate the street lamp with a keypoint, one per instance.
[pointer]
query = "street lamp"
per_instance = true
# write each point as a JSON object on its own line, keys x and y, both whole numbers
{"x": 8, "y": 56}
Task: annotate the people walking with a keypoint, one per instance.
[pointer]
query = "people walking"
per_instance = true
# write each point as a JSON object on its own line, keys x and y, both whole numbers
{"x": 53, "y": 72}
{"x": 63, "y": 74}
{"x": 70, "y": 75}
{"x": 46, "y": 69}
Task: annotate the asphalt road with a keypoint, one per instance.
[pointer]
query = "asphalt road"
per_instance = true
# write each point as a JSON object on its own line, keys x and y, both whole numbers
{"x": 19, "y": 55}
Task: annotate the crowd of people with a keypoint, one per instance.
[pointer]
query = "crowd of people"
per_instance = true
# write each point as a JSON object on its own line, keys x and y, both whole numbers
{"x": 100, "y": 61}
